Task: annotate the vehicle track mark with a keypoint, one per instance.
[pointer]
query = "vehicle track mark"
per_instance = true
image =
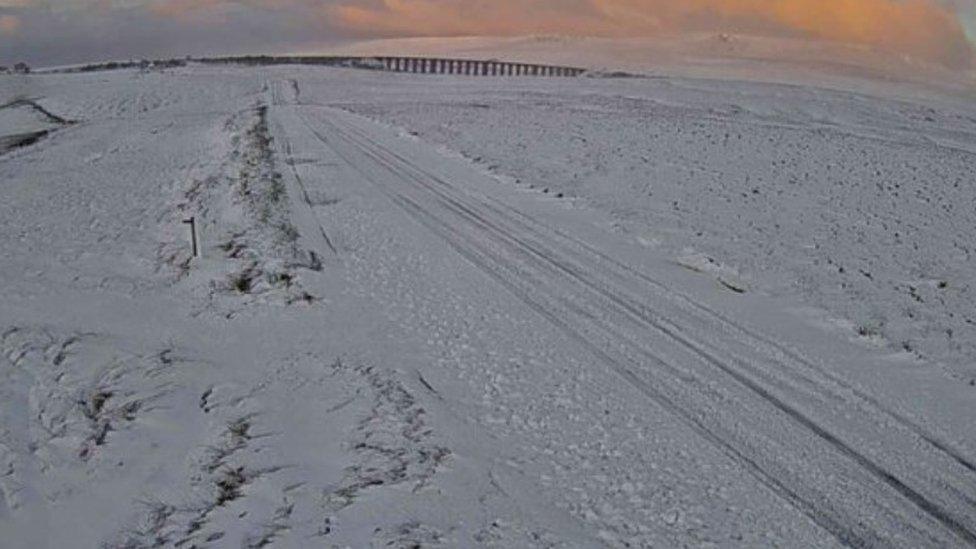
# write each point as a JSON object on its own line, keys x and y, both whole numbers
{"x": 481, "y": 255}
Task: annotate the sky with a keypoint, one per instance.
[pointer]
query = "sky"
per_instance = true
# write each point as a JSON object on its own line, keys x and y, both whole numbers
{"x": 45, "y": 32}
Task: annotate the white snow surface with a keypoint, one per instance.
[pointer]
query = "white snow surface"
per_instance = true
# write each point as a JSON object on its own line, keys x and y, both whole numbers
{"x": 436, "y": 311}
{"x": 864, "y": 207}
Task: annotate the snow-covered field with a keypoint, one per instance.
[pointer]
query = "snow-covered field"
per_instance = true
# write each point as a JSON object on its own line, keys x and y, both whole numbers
{"x": 867, "y": 208}
{"x": 501, "y": 312}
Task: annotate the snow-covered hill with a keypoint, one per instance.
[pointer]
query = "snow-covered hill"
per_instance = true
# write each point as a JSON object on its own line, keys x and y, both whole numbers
{"x": 702, "y": 55}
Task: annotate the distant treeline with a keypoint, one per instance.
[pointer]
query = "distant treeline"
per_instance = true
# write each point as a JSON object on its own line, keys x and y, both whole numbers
{"x": 332, "y": 61}
{"x": 143, "y": 64}
{"x": 420, "y": 65}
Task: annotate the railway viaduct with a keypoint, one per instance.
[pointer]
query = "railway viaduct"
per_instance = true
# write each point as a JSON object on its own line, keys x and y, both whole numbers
{"x": 469, "y": 67}
{"x": 417, "y": 65}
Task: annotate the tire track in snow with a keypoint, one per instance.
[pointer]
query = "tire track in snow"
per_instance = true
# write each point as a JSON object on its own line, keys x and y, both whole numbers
{"x": 491, "y": 268}
{"x": 305, "y": 208}
{"x": 755, "y": 337}
{"x": 621, "y": 271}
{"x": 814, "y": 503}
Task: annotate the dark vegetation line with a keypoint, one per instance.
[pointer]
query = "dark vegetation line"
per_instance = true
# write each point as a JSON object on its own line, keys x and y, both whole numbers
{"x": 417, "y": 65}
{"x": 117, "y": 65}
{"x": 21, "y": 140}
{"x": 37, "y": 107}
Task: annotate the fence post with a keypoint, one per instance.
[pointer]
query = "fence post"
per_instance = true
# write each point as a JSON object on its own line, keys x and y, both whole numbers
{"x": 192, "y": 222}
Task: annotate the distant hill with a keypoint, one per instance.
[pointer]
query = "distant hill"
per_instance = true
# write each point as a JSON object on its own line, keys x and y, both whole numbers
{"x": 700, "y": 55}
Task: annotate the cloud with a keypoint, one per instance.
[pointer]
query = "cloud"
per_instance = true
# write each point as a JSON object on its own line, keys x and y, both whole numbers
{"x": 182, "y": 8}
{"x": 69, "y": 30}
{"x": 54, "y": 32}
{"x": 9, "y": 24}
{"x": 193, "y": 9}
{"x": 928, "y": 29}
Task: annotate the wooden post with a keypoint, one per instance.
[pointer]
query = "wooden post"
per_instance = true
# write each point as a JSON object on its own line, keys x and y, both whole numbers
{"x": 192, "y": 222}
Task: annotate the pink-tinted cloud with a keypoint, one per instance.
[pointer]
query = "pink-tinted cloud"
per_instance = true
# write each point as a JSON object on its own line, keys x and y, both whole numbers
{"x": 184, "y": 9}
{"x": 9, "y": 24}
{"x": 192, "y": 8}
{"x": 928, "y": 29}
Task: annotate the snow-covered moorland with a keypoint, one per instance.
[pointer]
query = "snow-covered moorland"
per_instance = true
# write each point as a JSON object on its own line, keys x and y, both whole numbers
{"x": 500, "y": 312}
{"x": 865, "y": 207}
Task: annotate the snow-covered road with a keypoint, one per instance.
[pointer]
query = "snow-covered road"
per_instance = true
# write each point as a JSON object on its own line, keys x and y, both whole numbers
{"x": 384, "y": 344}
{"x": 770, "y": 413}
